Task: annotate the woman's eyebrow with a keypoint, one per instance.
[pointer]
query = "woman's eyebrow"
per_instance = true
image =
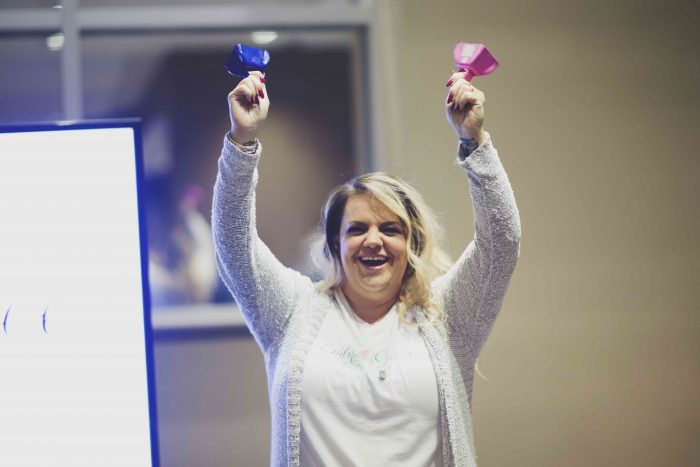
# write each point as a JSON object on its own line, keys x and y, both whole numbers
{"x": 383, "y": 224}
{"x": 353, "y": 223}
{"x": 391, "y": 224}
{"x": 358, "y": 223}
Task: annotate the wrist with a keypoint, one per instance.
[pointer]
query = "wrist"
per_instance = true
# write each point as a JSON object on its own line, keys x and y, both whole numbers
{"x": 466, "y": 147}
{"x": 247, "y": 145}
{"x": 478, "y": 136}
{"x": 241, "y": 139}
{"x": 470, "y": 144}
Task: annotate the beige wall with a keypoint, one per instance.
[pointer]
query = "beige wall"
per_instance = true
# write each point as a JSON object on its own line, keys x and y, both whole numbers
{"x": 595, "y": 359}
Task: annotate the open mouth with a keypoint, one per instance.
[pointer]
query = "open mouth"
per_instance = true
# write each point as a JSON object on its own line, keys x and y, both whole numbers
{"x": 373, "y": 261}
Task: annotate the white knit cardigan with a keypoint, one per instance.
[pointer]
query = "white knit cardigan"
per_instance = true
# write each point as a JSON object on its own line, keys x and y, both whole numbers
{"x": 284, "y": 312}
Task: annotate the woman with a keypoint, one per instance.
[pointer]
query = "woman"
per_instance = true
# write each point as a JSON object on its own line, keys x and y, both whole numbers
{"x": 375, "y": 365}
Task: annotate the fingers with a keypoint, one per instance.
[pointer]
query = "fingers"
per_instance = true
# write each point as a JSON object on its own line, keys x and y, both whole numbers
{"x": 462, "y": 93}
{"x": 245, "y": 91}
{"x": 258, "y": 80}
{"x": 456, "y": 76}
{"x": 467, "y": 95}
{"x": 250, "y": 89}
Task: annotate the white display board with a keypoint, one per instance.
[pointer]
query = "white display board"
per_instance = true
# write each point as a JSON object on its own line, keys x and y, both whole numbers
{"x": 75, "y": 349}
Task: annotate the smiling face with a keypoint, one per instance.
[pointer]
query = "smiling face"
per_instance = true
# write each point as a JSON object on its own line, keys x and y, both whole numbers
{"x": 372, "y": 249}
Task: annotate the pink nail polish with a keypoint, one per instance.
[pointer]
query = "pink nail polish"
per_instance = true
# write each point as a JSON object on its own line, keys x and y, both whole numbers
{"x": 261, "y": 94}
{"x": 449, "y": 98}
{"x": 449, "y": 83}
{"x": 262, "y": 80}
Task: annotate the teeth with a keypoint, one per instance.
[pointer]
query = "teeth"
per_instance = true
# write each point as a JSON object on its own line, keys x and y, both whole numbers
{"x": 373, "y": 260}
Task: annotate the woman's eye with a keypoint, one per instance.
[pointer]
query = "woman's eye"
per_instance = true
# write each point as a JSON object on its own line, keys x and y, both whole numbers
{"x": 393, "y": 231}
{"x": 355, "y": 230}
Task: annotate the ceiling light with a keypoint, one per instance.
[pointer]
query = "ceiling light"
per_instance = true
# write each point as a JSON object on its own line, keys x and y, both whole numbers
{"x": 55, "y": 41}
{"x": 263, "y": 37}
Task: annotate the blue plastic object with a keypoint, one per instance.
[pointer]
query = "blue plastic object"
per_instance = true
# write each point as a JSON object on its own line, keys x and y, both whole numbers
{"x": 244, "y": 59}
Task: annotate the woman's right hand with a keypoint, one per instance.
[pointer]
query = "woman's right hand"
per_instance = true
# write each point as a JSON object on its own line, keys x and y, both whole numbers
{"x": 248, "y": 104}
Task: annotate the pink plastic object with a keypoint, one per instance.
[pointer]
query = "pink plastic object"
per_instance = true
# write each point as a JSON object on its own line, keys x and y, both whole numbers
{"x": 475, "y": 59}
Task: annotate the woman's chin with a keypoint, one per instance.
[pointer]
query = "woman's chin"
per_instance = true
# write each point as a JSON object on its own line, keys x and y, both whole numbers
{"x": 379, "y": 287}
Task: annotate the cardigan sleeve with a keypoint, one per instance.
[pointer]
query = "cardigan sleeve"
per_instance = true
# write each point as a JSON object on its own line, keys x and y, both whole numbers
{"x": 472, "y": 291}
{"x": 263, "y": 287}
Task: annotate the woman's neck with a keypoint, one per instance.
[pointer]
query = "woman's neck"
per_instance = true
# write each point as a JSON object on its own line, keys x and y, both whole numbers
{"x": 366, "y": 309}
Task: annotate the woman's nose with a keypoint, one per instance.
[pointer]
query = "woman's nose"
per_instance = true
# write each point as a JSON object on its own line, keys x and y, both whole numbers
{"x": 373, "y": 238}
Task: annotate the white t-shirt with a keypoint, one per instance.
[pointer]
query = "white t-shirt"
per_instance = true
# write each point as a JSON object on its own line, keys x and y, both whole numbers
{"x": 369, "y": 395}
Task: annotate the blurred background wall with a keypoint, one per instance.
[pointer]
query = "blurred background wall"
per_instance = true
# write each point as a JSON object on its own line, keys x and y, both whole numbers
{"x": 595, "y": 359}
{"x": 594, "y": 110}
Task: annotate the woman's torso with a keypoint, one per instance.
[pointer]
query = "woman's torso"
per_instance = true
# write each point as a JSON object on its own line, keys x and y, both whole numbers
{"x": 369, "y": 394}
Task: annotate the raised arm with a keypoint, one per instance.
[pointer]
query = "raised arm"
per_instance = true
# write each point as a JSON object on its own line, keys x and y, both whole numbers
{"x": 263, "y": 287}
{"x": 472, "y": 291}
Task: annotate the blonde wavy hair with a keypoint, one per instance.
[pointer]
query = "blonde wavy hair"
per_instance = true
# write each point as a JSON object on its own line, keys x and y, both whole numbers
{"x": 426, "y": 258}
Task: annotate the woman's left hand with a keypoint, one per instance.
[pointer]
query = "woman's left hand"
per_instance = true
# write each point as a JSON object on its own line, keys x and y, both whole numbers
{"x": 464, "y": 108}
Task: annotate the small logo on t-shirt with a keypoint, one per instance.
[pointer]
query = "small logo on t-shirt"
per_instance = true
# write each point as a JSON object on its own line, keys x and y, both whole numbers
{"x": 362, "y": 357}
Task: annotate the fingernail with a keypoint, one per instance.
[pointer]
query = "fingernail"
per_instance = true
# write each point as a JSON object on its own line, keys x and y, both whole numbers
{"x": 262, "y": 80}
{"x": 261, "y": 94}
{"x": 449, "y": 98}
{"x": 449, "y": 83}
